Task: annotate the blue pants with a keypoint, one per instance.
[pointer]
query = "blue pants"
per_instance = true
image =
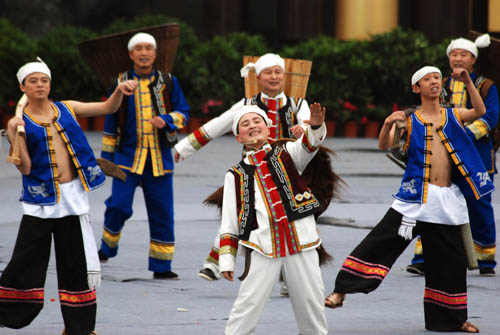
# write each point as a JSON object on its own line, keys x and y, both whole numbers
{"x": 158, "y": 195}
{"x": 482, "y": 225}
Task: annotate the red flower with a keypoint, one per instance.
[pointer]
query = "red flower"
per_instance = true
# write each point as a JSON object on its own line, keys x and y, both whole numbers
{"x": 11, "y": 103}
{"x": 364, "y": 120}
{"x": 212, "y": 102}
{"x": 350, "y": 106}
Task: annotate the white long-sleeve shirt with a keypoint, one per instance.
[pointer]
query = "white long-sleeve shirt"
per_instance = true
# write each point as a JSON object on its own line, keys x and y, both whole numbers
{"x": 261, "y": 239}
{"x": 222, "y": 124}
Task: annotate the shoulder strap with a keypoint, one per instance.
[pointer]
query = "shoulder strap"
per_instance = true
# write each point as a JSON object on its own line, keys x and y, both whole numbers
{"x": 167, "y": 79}
{"x": 484, "y": 87}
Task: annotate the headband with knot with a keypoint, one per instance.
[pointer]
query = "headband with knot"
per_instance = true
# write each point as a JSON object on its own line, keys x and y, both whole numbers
{"x": 33, "y": 67}
{"x": 482, "y": 41}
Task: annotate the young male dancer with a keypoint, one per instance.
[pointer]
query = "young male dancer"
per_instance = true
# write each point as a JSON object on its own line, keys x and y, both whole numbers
{"x": 58, "y": 168}
{"x": 442, "y": 166}
{"x": 463, "y": 53}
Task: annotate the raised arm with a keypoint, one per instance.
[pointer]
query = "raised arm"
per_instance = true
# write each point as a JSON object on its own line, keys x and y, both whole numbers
{"x": 386, "y": 136}
{"x": 304, "y": 149}
{"x": 25, "y": 165}
{"x": 200, "y": 137}
{"x": 478, "y": 109}
{"x": 111, "y": 105}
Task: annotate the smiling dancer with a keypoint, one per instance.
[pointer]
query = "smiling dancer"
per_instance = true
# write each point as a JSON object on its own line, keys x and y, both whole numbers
{"x": 268, "y": 211}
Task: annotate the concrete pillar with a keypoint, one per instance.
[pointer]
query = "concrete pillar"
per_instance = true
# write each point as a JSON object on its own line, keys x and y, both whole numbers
{"x": 358, "y": 19}
{"x": 494, "y": 16}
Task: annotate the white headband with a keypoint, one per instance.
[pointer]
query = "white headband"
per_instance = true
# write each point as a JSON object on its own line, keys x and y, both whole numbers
{"x": 245, "y": 110}
{"x": 482, "y": 41}
{"x": 263, "y": 62}
{"x": 423, "y": 72}
{"x": 141, "y": 38}
{"x": 33, "y": 67}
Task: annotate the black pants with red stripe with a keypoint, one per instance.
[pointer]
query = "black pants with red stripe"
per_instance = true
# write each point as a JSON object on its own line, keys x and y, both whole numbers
{"x": 22, "y": 281}
{"x": 445, "y": 298}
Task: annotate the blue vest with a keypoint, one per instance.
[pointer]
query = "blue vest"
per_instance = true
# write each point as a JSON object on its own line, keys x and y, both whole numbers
{"x": 469, "y": 172}
{"x": 41, "y": 186}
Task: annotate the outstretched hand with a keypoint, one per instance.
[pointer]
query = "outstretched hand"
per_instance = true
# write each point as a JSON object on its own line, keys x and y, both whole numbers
{"x": 127, "y": 87}
{"x": 229, "y": 275}
{"x": 395, "y": 116}
{"x": 177, "y": 157}
{"x": 317, "y": 115}
{"x": 158, "y": 122}
{"x": 461, "y": 74}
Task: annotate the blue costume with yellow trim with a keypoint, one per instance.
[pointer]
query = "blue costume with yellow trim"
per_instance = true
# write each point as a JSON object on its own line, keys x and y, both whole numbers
{"x": 481, "y": 216}
{"x": 469, "y": 173}
{"x": 445, "y": 296}
{"x": 22, "y": 281}
{"x": 144, "y": 153}
{"x": 41, "y": 185}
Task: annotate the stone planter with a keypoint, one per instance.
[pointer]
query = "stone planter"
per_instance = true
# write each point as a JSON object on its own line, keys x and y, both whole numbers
{"x": 351, "y": 128}
{"x": 372, "y": 129}
{"x": 84, "y": 123}
{"x": 330, "y": 127}
{"x": 195, "y": 123}
{"x": 98, "y": 123}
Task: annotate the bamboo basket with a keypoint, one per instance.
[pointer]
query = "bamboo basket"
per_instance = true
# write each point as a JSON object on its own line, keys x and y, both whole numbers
{"x": 108, "y": 55}
{"x": 297, "y": 72}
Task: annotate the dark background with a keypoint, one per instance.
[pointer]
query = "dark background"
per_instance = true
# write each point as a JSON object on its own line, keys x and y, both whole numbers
{"x": 279, "y": 21}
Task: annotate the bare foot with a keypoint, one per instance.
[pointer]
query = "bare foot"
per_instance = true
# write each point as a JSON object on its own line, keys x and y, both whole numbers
{"x": 334, "y": 300}
{"x": 468, "y": 327}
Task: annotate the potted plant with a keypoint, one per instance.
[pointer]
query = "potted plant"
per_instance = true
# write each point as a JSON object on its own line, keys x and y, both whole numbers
{"x": 349, "y": 116}
{"x": 373, "y": 116}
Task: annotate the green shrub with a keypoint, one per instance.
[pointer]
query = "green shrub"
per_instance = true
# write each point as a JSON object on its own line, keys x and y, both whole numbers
{"x": 339, "y": 72}
{"x": 351, "y": 78}
{"x": 394, "y": 57}
{"x": 71, "y": 77}
{"x": 16, "y": 49}
{"x": 218, "y": 77}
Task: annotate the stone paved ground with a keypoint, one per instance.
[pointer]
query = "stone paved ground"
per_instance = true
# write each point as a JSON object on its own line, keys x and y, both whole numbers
{"x": 194, "y": 306}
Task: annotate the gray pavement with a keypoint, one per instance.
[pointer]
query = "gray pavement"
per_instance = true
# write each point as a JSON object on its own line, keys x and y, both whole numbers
{"x": 195, "y": 306}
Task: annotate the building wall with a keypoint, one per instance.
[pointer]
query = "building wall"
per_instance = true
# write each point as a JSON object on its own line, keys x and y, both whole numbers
{"x": 279, "y": 21}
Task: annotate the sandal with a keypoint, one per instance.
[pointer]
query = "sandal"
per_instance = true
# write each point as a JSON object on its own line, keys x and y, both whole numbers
{"x": 331, "y": 300}
{"x": 468, "y": 327}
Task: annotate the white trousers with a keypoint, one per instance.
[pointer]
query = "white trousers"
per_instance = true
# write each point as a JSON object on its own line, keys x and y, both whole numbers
{"x": 305, "y": 287}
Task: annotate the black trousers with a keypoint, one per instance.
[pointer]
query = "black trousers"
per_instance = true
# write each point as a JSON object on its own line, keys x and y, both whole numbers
{"x": 445, "y": 297}
{"x": 22, "y": 281}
